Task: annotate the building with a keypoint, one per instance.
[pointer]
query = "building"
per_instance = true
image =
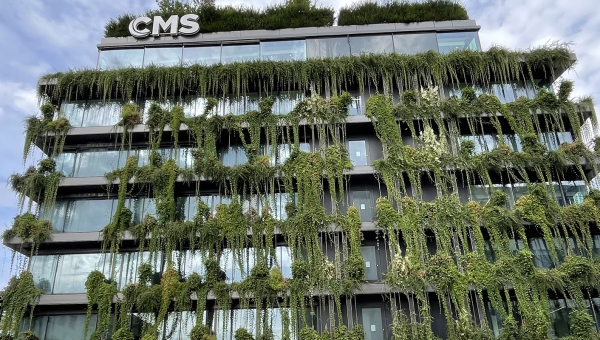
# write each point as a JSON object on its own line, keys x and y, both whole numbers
{"x": 465, "y": 245}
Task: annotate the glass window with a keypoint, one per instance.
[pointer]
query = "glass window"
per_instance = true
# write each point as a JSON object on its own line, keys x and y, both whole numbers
{"x": 196, "y": 106}
{"x": 356, "y": 106}
{"x": 184, "y": 158}
{"x": 190, "y": 262}
{"x": 141, "y": 321}
{"x": 239, "y": 53}
{"x": 204, "y": 55}
{"x": 358, "y": 152}
{"x": 144, "y": 155}
{"x": 234, "y": 155}
{"x": 327, "y": 48}
{"x": 372, "y": 323}
{"x": 88, "y": 215}
{"x": 163, "y": 56}
{"x": 415, "y": 43}
{"x": 98, "y": 162}
{"x": 179, "y": 325}
{"x": 376, "y": 44}
{"x": 231, "y": 261}
{"x": 489, "y": 251}
{"x": 515, "y": 245}
{"x": 541, "y": 255}
{"x": 116, "y": 59}
{"x": 494, "y": 319}
{"x": 552, "y": 140}
{"x": 559, "y": 313}
{"x": 456, "y": 41}
{"x": 504, "y": 92}
{"x": 98, "y": 113}
{"x": 482, "y": 142}
{"x": 72, "y": 272}
{"x": 284, "y": 260}
{"x": 43, "y": 269}
{"x": 65, "y": 163}
{"x": 62, "y": 327}
{"x": 518, "y": 190}
{"x": 73, "y": 111}
{"x": 362, "y": 201}
{"x": 283, "y": 50}
{"x": 514, "y": 142}
{"x": 38, "y": 325}
{"x": 142, "y": 207}
{"x": 240, "y": 105}
{"x": 286, "y": 102}
{"x": 596, "y": 245}
{"x": 56, "y": 215}
{"x": 479, "y": 193}
{"x": 369, "y": 253}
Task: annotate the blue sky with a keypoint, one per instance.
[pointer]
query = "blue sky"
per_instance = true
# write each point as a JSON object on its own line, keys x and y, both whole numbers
{"x": 39, "y": 37}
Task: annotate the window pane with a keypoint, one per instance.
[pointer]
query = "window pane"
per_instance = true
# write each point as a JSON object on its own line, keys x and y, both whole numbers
{"x": 358, "y": 152}
{"x": 504, "y": 92}
{"x": 370, "y": 256}
{"x": 204, "y": 55}
{"x": 376, "y": 44}
{"x": 163, "y": 56}
{"x": 43, "y": 269}
{"x": 65, "y": 163}
{"x": 284, "y": 260}
{"x": 449, "y": 42}
{"x": 356, "y": 106}
{"x": 541, "y": 255}
{"x": 514, "y": 141}
{"x": 38, "y": 325}
{"x": 415, "y": 43}
{"x": 196, "y": 106}
{"x": 73, "y": 111}
{"x": 239, "y": 53}
{"x": 98, "y": 163}
{"x": 115, "y": 59}
{"x": 286, "y": 102}
{"x": 183, "y": 158}
{"x": 240, "y": 105}
{"x": 180, "y": 325}
{"x": 143, "y": 207}
{"x": 560, "y": 317}
{"x": 68, "y": 327}
{"x": 574, "y": 191}
{"x": 79, "y": 215}
{"x": 372, "y": 323}
{"x": 283, "y": 50}
{"x": 144, "y": 155}
{"x": 57, "y": 215}
{"x": 73, "y": 270}
{"x": 99, "y": 113}
{"x": 327, "y": 48}
{"x": 362, "y": 201}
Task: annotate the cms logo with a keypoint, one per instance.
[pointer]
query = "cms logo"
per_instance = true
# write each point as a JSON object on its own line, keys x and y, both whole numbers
{"x": 139, "y": 27}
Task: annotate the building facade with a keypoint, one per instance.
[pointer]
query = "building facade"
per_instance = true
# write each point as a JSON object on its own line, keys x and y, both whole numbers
{"x": 413, "y": 171}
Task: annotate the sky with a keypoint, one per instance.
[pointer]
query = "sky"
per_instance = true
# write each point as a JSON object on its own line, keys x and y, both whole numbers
{"x": 39, "y": 37}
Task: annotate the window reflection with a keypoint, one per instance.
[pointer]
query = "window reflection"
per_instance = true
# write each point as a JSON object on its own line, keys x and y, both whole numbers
{"x": 116, "y": 59}
{"x": 43, "y": 268}
{"x": 286, "y": 102}
{"x": 72, "y": 272}
{"x": 541, "y": 254}
{"x": 162, "y": 56}
{"x": 239, "y": 53}
{"x": 283, "y": 50}
{"x": 78, "y": 215}
{"x": 415, "y": 43}
{"x": 62, "y": 327}
{"x": 358, "y": 152}
{"x": 376, "y": 44}
{"x": 226, "y": 323}
{"x": 552, "y": 140}
{"x": 482, "y": 142}
{"x": 99, "y": 113}
{"x": 203, "y": 55}
{"x": 98, "y": 162}
{"x": 65, "y": 163}
{"x": 327, "y": 47}
{"x": 234, "y": 155}
{"x": 457, "y": 41}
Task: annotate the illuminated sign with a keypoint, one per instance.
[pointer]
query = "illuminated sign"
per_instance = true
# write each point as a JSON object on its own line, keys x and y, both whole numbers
{"x": 140, "y": 27}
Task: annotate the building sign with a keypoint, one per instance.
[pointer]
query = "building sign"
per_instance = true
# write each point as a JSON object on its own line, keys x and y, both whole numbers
{"x": 186, "y": 25}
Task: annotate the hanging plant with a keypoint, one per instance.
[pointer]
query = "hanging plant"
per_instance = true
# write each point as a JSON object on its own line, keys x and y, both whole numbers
{"x": 38, "y": 184}
{"x": 36, "y": 128}
{"x": 19, "y": 296}
{"x": 29, "y": 230}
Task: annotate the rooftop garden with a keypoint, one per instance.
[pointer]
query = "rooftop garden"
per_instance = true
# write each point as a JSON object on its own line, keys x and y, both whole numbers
{"x": 294, "y": 14}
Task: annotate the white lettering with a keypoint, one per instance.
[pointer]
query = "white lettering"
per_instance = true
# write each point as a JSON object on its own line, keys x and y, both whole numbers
{"x": 134, "y": 27}
{"x": 189, "y": 24}
{"x": 159, "y": 24}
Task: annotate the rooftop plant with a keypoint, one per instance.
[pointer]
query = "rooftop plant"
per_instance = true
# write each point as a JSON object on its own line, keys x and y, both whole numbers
{"x": 400, "y": 11}
{"x": 213, "y": 18}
